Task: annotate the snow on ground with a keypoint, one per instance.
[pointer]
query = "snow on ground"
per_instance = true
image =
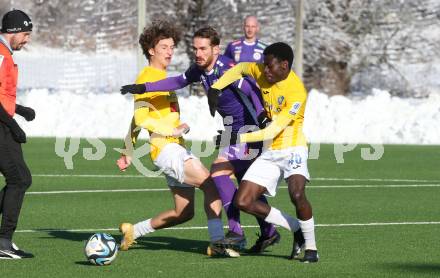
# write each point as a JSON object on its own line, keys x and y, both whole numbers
{"x": 50, "y": 77}
{"x": 378, "y": 118}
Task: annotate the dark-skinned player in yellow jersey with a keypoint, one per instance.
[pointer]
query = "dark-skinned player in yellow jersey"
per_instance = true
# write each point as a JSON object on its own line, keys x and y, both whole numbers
{"x": 285, "y": 153}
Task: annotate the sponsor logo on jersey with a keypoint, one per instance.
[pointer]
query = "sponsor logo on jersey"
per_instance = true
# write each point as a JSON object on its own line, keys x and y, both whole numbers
{"x": 237, "y": 56}
{"x": 295, "y": 108}
{"x": 257, "y": 56}
{"x": 261, "y": 45}
{"x": 203, "y": 79}
{"x": 280, "y": 100}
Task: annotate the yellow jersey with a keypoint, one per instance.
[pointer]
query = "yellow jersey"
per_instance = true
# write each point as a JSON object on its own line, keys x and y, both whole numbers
{"x": 157, "y": 112}
{"x": 284, "y": 102}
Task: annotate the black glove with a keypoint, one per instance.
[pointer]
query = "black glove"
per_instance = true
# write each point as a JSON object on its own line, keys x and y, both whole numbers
{"x": 263, "y": 120}
{"x": 133, "y": 89}
{"x": 26, "y": 112}
{"x": 17, "y": 133}
{"x": 213, "y": 95}
{"x": 226, "y": 139}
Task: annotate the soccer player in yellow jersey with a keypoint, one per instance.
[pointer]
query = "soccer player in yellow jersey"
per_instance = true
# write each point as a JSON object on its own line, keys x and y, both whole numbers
{"x": 159, "y": 114}
{"x": 286, "y": 156}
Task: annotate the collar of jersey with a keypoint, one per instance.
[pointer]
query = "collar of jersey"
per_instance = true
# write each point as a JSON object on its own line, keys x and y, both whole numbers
{"x": 210, "y": 72}
{"x": 5, "y": 42}
{"x": 249, "y": 43}
{"x": 156, "y": 69}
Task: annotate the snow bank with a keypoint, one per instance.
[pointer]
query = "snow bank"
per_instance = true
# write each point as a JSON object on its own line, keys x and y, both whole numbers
{"x": 378, "y": 118}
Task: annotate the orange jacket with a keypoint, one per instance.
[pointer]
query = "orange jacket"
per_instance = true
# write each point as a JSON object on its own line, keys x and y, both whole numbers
{"x": 8, "y": 80}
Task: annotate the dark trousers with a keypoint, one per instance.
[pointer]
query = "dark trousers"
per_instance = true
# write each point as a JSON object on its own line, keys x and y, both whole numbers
{"x": 18, "y": 179}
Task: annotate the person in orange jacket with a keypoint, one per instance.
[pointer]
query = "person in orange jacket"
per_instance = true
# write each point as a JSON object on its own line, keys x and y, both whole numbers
{"x": 15, "y": 33}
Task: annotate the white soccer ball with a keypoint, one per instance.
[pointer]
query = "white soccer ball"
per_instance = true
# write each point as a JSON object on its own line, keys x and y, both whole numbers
{"x": 101, "y": 249}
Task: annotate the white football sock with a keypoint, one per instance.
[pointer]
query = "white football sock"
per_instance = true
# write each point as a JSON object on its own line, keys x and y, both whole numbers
{"x": 143, "y": 228}
{"x": 308, "y": 229}
{"x": 215, "y": 229}
{"x": 279, "y": 218}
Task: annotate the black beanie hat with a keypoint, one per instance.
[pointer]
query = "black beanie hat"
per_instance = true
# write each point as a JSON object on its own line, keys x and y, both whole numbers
{"x": 16, "y": 21}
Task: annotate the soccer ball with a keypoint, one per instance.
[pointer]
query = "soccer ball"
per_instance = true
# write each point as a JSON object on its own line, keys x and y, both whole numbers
{"x": 101, "y": 249}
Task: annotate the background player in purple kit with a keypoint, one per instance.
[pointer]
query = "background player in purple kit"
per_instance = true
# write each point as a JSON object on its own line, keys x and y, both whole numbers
{"x": 248, "y": 48}
{"x": 239, "y": 108}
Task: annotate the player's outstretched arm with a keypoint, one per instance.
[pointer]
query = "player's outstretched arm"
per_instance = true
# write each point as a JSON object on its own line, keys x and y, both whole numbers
{"x": 230, "y": 76}
{"x": 286, "y": 116}
{"x": 268, "y": 133}
{"x": 233, "y": 74}
{"x": 167, "y": 84}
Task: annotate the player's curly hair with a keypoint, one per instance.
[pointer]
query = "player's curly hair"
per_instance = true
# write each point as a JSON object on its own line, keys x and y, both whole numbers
{"x": 158, "y": 30}
{"x": 208, "y": 33}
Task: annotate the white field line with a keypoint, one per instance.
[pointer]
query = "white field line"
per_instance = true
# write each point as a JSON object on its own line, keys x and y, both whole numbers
{"x": 166, "y": 189}
{"x": 375, "y": 224}
{"x": 353, "y": 179}
{"x": 160, "y": 176}
{"x": 96, "y": 191}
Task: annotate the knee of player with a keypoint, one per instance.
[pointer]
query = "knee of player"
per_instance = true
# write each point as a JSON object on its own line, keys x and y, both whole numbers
{"x": 221, "y": 168}
{"x": 207, "y": 184}
{"x": 23, "y": 181}
{"x": 27, "y": 181}
{"x": 185, "y": 215}
{"x": 188, "y": 215}
{"x": 202, "y": 178}
{"x": 297, "y": 196}
{"x": 242, "y": 203}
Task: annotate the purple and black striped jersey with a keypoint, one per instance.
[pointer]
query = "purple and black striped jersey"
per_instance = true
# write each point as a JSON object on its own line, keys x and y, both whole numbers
{"x": 242, "y": 51}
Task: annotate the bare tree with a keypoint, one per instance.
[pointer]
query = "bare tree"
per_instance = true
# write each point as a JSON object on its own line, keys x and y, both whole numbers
{"x": 348, "y": 44}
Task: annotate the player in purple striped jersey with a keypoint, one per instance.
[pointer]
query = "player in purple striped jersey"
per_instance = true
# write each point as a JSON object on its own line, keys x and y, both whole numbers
{"x": 248, "y": 48}
{"x": 239, "y": 108}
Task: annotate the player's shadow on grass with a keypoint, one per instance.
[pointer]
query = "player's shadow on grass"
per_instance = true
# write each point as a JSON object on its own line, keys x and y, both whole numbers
{"x": 172, "y": 243}
{"x": 414, "y": 267}
{"x": 147, "y": 242}
{"x": 154, "y": 243}
{"x": 73, "y": 236}
{"x": 265, "y": 253}
{"x": 185, "y": 245}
